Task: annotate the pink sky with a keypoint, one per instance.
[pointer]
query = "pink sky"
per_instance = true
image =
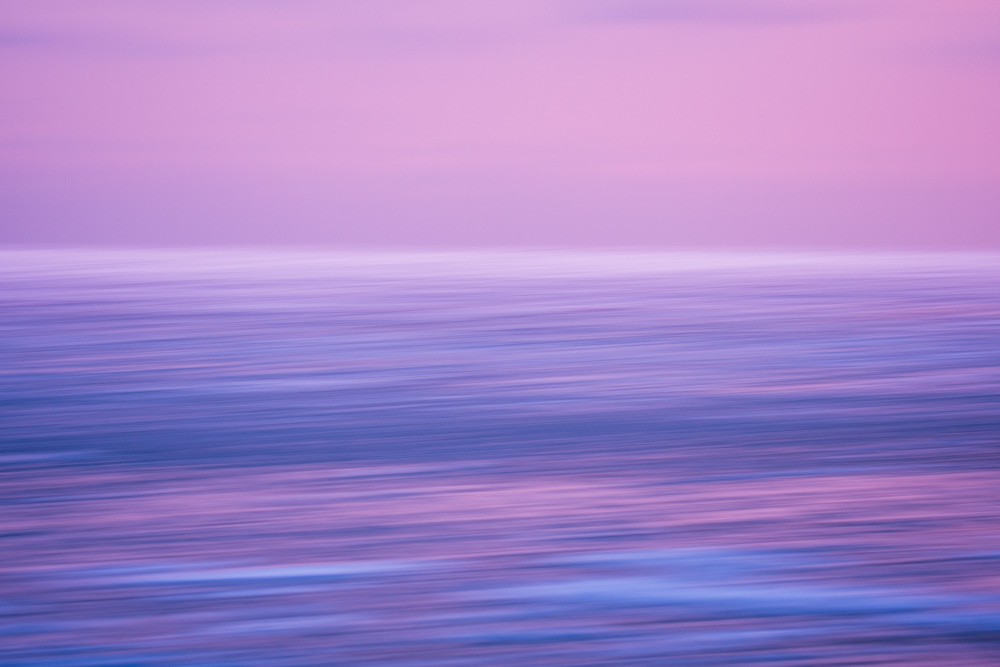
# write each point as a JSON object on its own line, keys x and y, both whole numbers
{"x": 651, "y": 123}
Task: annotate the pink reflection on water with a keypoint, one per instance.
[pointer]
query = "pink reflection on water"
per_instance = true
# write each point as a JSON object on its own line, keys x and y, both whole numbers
{"x": 360, "y": 551}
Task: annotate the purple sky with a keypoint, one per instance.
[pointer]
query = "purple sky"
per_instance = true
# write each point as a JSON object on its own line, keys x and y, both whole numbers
{"x": 656, "y": 123}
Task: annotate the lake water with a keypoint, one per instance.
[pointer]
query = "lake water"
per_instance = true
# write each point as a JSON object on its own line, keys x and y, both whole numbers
{"x": 235, "y": 457}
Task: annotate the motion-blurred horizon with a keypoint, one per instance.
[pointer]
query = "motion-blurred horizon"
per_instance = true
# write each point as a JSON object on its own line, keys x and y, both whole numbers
{"x": 662, "y": 123}
{"x": 321, "y": 345}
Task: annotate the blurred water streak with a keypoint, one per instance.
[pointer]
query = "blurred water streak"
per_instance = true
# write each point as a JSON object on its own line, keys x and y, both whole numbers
{"x": 318, "y": 458}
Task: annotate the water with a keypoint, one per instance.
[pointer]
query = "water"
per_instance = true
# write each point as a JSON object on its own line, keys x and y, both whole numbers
{"x": 539, "y": 458}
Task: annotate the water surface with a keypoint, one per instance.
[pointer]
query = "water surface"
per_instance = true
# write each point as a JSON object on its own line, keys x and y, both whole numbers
{"x": 538, "y": 458}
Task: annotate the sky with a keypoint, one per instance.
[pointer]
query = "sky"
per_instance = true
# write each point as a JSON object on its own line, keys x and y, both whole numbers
{"x": 501, "y": 123}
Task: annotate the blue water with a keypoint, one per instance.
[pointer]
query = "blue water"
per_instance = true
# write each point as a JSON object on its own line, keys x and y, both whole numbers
{"x": 293, "y": 458}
